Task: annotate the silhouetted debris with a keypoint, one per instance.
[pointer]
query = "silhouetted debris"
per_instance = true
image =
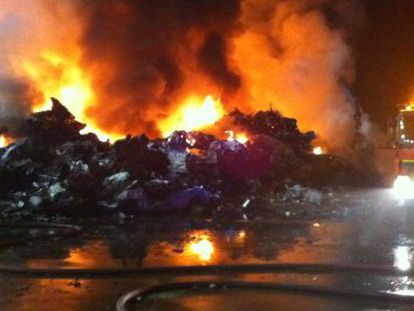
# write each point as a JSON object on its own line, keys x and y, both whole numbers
{"x": 271, "y": 123}
{"x": 57, "y": 124}
{"x": 57, "y": 170}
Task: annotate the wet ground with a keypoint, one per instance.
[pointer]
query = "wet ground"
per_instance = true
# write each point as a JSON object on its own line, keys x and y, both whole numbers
{"x": 350, "y": 227}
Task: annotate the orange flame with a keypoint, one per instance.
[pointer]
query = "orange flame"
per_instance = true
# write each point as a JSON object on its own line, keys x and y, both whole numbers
{"x": 240, "y": 137}
{"x": 409, "y": 106}
{"x": 194, "y": 114}
{"x": 4, "y": 141}
{"x": 49, "y": 52}
{"x": 203, "y": 248}
{"x": 63, "y": 78}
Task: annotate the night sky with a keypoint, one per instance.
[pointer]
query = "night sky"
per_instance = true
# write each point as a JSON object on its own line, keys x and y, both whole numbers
{"x": 384, "y": 53}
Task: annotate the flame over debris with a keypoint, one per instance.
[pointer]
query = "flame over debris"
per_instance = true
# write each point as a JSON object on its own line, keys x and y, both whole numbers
{"x": 62, "y": 77}
{"x": 289, "y": 55}
{"x": 80, "y": 174}
{"x": 202, "y": 247}
{"x": 318, "y": 150}
{"x": 409, "y": 106}
{"x": 70, "y": 84}
{"x": 193, "y": 115}
{"x": 240, "y": 137}
{"x": 5, "y": 141}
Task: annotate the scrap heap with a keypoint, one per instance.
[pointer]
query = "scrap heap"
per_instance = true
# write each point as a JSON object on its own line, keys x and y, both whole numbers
{"x": 56, "y": 170}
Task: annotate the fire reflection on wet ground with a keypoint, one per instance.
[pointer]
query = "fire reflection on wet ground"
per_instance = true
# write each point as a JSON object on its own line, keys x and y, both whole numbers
{"x": 383, "y": 238}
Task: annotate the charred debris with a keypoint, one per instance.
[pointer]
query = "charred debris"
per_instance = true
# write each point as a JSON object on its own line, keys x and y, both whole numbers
{"x": 54, "y": 170}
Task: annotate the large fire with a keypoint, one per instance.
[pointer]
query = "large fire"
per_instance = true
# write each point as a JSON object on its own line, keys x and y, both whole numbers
{"x": 120, "y": 66}
{"x": 62, "y": 78}
{"x": 194, "y": 114}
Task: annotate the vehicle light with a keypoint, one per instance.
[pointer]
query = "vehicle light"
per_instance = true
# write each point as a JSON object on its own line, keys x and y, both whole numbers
{"x": 402, "y": 258}
{"x": 403, "y": 187}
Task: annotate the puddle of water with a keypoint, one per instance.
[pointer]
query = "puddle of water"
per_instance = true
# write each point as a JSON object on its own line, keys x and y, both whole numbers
{"x": 375, "y": 240}
{"x": 143, "y": 246}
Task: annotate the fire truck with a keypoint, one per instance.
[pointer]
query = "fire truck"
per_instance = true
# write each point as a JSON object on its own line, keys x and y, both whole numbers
{"x": 404, "y": 145}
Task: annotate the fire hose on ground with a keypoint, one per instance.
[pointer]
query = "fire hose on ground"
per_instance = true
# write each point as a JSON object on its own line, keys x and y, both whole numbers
{"x": 139, "y": 295}
{"x": 142, "y": 293}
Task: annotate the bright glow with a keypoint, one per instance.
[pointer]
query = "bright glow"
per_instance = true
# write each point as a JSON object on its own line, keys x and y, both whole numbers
{"x": 402, "y": 258}
{"x": 240, "y": 137}
{"x": 241, "y": 236}
{"x": 194, "y": 114}
{"x": 409, "y": 107}
{"x": 4, "y": 141}
{"x": 203, "y": 248}
{"x": 403, "y": 188}
{"x": 318, "y": 150}
{"x": 61, "y": 77}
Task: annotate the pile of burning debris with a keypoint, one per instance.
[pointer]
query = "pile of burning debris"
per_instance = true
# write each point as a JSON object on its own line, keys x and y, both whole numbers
{"x": 56, "y": 170}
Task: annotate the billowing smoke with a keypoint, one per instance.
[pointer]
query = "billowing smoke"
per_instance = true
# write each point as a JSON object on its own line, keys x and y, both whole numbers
{"x": 15, "y": 97}
{"x": 294, "y": 57}
{"x": 27, "y": 30}
{"x": 144, "y": 58}
{"x": 14, "y": 91}
{"x": 145, "y": 54}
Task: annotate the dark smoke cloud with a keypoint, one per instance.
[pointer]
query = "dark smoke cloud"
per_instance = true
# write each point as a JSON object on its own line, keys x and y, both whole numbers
{"x": 15, "y": 99}
{"x": 145, "y": 57}
{"x": 142, "y": 49}
{"x": 213, "y": 60}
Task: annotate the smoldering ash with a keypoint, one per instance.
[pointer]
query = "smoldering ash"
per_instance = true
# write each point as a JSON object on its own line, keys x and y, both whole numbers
{"x": 126, "y": 66}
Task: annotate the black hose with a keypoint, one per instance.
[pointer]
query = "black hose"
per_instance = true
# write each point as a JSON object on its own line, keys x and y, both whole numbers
{"x": 144, "y": 292}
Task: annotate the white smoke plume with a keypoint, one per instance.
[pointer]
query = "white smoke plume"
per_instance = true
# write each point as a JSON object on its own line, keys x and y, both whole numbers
{"x": 28, "y": 29}
{"x": 294, "y": 57}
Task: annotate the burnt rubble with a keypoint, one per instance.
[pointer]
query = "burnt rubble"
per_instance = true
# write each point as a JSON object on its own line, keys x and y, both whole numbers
{"x": 56, "y": 170}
